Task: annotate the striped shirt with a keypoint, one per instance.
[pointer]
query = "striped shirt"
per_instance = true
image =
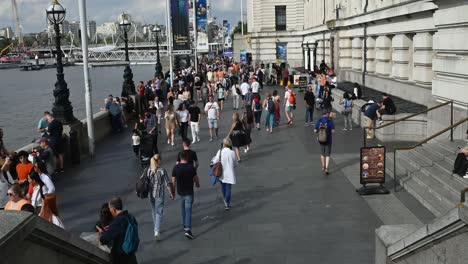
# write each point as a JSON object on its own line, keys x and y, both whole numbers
{"x": 158, "y": 180}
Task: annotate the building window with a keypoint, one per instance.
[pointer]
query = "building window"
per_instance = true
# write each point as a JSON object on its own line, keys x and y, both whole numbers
{"x": 280, "y": 14}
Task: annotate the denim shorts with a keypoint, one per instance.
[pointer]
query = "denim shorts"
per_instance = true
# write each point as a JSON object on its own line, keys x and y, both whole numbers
{"x": 213, "y": 123}
{"x": 289, "y": 109}
{"x": 326, "y": 150}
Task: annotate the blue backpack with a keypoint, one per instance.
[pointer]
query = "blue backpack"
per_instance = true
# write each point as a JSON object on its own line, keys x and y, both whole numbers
{"x": 131, "y": 240}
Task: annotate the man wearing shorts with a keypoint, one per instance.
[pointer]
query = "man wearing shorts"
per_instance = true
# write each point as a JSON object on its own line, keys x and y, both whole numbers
{"x": 325, "y": 147}
{"x": 212, "y": 111}
{"x": 288, "y": 107}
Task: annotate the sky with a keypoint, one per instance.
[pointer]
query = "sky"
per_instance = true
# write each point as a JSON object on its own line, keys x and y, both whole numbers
{"x": 33, "y": 17}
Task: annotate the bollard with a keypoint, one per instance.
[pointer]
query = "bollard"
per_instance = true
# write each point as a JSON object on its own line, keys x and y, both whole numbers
{"x": 74, "y": 147}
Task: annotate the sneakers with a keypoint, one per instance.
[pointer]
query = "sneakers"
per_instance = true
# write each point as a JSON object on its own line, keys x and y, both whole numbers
{"x": 193, "y": 142}
{"x": 307, "y": 124}
{"x": 227, "y": 208}
{"x": 380, "y": 122}
{"x": 157, "y": 236}
{"x": 188, "y": 234}
{"x": 466, "y": 176}
{"x": 211, "y": 139}
{"x": 344, "y": 129}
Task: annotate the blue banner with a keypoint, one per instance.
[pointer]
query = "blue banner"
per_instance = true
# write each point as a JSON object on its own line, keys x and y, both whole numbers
{"x": 202, "y": 26}
{"x": 180, "y": 24}
{"x": 282, "y": 51}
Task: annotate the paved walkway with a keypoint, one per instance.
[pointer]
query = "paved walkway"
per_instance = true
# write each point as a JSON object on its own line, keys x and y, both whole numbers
{"x": 283, "y": 209}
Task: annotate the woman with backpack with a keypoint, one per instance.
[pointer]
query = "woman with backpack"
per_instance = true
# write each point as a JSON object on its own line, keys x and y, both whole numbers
{"x": 347, "y": 103}
{"x": 257, "y": 110}
{"x": 159, "y": 180}
{"x": 237, "y": 134}
{"x": 269, "y": 106}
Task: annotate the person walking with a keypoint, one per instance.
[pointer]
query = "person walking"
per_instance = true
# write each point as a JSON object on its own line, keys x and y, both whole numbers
{"x": 325, "y": 127}
{"x": 159, "y": 179}
{"x": 192, "y": 157}
{"x": 194, "y": 120}
{"x": 347, "y": 103}
{"x": 257, "y": 110}
{"x": 212, "y": 111}
{"x": 236, "y": 92}
{"x": 277, "y": 100}
{"x": 183, "y": 120}
{"x": 269, "y": 106}
{"x": 289, "y": 104}
{"x": 184, "y": 176}
{"x": 171, "y": 124}
{"x": 327, "y": 101}
{"x": 227, "y": 157}
{"x": 237, "y": 134}
{"x": 39, "y": 191}
{"x": 221, "y": 92}
{"x": 309, "y": 99}
{"x": 152, "y": 130}
{"x": 114, "y": 235}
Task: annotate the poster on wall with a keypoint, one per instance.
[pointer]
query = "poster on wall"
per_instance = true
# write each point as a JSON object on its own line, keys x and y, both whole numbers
{"x": 201, "y": 17}
{"x": 243, "y": 57}
{"x": 180, "y": 26}
{"x": 282, "y": 51}
{"x": 372, "y": 165}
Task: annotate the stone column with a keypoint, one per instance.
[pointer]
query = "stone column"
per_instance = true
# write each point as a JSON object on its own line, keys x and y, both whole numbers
{"x": 422, "y": 70}
{"x": 357, "y": 54}
{"x": 327, "y": 52}
{"x": 306, "y": 59}
{"x": 401, "y": 56}
{"x": 383, "y": 56}
{"x": 345, "y": 51}
{"x": 371, "y": 55}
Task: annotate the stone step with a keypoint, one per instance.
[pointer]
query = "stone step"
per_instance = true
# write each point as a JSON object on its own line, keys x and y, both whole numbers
{"x": 403, "y": 166}
{"x": 440, "y": 151}
{"x": 440, "y": 189}
{"x": 450, "y": 182}
{"x": 414, "y": 159}
{"x": 420, "y": 192}
{"x": 429, "y": 154}
{"x": 451, "y": 146}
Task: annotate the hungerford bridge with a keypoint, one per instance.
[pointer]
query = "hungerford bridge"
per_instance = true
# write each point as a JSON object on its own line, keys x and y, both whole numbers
{"x": 139, "y": 51}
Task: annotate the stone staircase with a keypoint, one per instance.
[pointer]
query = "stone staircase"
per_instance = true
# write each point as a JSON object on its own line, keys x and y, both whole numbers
{"x": 426, "y": 173}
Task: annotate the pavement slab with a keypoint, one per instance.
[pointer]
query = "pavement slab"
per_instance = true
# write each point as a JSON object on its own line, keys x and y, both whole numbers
{"x": 284, "y": 210}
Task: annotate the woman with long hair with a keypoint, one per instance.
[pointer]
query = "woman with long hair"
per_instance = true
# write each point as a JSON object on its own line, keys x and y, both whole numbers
{"x": 237, "y": 134}
{"x": 158, "y": 180}
{"x": 39, "y": 191}
{"x": 182, "y": 120}
{"x": 49, "y": 211}
{"x": 276, "y": 100}
{"x": 171, "y": 124}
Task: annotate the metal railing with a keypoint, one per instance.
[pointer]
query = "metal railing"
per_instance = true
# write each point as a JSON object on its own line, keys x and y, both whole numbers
{"x": 364, "y": 134}
{"x": 395, "y": 175}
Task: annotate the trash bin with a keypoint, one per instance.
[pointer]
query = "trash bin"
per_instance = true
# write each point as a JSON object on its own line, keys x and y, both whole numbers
{"x": 74, "y": 147}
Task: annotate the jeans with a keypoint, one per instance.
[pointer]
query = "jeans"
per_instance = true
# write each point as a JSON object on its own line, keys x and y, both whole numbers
{"x": 157, "y": 207}
{"x": 309, "y": 114}
{"x": 348, "y": 120}
{"x": 257, "y": 115}
{"x": 195, "y": 128}
{"x": 154, "y": 143}
{"x": 235, "y": 100}
{"x": 183, "y": 129}
{"x": 186, "y": 203}
{"x": 226, "y": 189}
{"x": 270, "y": 119}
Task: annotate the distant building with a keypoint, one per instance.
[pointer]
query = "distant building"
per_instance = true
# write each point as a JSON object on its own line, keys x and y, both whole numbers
{"x": 7, "y": 32}
{"x": 75, "y": 29}
{"x": 91, "y": 28}
{"x": 65, "y": 27}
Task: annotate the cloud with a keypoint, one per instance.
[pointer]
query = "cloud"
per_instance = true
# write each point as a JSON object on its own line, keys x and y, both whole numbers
{"x": 33, "y": 17}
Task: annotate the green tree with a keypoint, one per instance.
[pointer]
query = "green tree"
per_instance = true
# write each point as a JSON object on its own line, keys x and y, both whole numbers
{"x": 238, "y": 28}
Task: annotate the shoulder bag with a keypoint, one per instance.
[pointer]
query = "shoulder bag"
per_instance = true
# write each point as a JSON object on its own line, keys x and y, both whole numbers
{"x": 218, "y": 167}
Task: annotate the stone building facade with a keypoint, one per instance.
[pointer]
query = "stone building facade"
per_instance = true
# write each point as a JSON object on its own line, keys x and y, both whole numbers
{"x": 414, "y": 49}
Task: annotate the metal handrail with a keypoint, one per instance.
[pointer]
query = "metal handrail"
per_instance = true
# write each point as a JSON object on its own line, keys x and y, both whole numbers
{"x": 419, "y": 144}
{"x": 410, "y": 116}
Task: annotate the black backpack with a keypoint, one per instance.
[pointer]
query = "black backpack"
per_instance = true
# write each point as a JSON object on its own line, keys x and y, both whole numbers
{"x": 143, "y": 185}
{"x": 271, "y": 106}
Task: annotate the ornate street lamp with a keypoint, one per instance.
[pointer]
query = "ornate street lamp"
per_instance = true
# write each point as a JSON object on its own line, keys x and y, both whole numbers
{"x": 158, "y": 67}
{"x": 62, "y": 108}
{"x": 128, "y": 86}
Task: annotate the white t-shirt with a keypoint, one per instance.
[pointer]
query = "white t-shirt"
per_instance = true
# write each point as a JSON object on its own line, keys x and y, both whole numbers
{"x": 286, "y": 98}
{"x": 135, "y": 140}
{"x": 244, "y": 88}
{"x": 36, "y": 199}
{"x": 255, "y": 86}
{"x": 183, "y": 116}
{"x": 212, "y": 109}
{"x": 48, "y": 183}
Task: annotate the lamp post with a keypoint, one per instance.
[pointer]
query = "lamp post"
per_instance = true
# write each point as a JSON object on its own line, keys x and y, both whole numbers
{"x": 128, "y": 86}
{"x": 62, "y": 108}
{"x": 158, "y": 67}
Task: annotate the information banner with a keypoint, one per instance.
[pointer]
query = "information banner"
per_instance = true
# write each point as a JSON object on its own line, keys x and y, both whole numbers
{"x": 282, "y": 51}
{"x": 202, "y": 26}
{"x": 243, "y": 57}
{"x": 372, "y": 165}
{"x": 180, "y": 24}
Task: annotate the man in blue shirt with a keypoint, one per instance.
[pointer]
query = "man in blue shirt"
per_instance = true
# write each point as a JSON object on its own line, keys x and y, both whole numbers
{"x": 327, "y": 122}
{"x": 371, "y": 115}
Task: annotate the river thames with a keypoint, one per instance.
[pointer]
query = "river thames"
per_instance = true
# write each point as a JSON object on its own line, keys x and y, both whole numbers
{"x": 25, "y": 95}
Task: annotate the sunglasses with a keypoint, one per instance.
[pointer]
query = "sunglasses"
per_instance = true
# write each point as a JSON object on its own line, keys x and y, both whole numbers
{"x": 10, "y": 194}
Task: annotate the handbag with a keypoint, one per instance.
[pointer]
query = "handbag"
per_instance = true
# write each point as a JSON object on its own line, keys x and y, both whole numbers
{"x": 218, "y": 167}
